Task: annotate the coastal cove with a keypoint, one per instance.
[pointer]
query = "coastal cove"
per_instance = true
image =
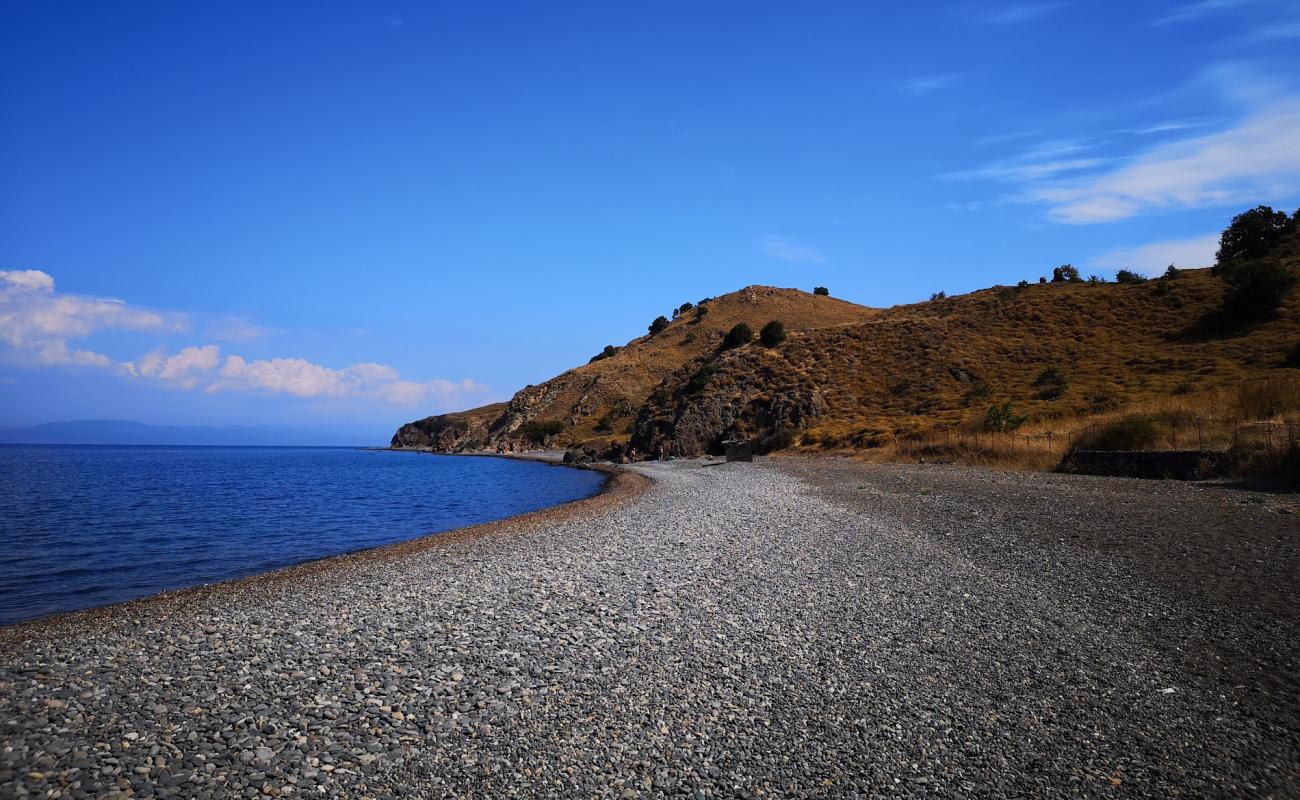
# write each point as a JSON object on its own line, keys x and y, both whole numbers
{"x": 87, "y": 526}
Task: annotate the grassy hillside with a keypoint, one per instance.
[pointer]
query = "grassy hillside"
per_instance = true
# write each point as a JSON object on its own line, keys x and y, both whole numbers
{"x": 848, "y": 377}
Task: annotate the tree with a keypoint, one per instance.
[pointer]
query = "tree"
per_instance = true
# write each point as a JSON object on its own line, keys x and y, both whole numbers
{"x": 1066, "y": 273}
{"x": 1129, "y": 276}
{"x": 938, "y": 296}
{"x": 1252, "y": 234}
{"x": 1172, "y": 273}
{"x": 821, "y": 290}
{"x": 773, "y": 333}
{"x": 658, "y": 325}
{"x": 1255, "y": 288}
{"x": 1003, "y": 418}
{"x": 739, "y": 334}
{"x": 606, "y": 353}
{"x": 1248, "y": 263}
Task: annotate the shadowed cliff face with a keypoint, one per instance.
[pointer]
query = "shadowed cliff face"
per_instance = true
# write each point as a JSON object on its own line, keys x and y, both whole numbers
{"x": 751, "y": 393}
{"x": 849, "y": 376}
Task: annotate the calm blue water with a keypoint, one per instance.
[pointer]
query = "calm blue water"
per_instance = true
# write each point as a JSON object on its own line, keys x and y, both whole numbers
{"x": 86, "y": 526}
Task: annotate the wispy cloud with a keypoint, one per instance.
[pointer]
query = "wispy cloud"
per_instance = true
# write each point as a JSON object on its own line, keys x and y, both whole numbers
{"x": 1015, "y": 14}
{"x": 925, "y": 84}
{"x": 1276, "y": 32}
{"x": 1153, "y": 258}
{"x": 1257, "y": 158}
{"x": 1170, "y": 126}
{"x": 1197, "y": 9}
{"x": 40, "y": 327}
{"x": 784, "y": 248}
{"x": 236, "y": 329}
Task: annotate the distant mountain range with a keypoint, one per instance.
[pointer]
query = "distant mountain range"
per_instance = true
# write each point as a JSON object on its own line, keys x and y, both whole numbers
{"x": 122, "y": 431}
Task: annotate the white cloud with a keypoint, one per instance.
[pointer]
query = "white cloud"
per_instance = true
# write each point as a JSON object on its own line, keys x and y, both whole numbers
{"x": 783, "y": 248}
{"x": 183, "y": 369}
{"x": 1010, "y": 171}
{"x": 929, "y": 83}
{"x": 38, "y": 324}
{"x": 1257, "y": 159}
{"x": 32, "y": 280}
{"x": 1153, "y": 258}
{"x": 302, "y": 378}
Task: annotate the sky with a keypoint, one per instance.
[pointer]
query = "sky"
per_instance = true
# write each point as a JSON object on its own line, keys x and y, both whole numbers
{"x": 344, "y": 216}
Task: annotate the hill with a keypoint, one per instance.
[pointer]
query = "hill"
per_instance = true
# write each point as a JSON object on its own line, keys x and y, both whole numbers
{"x": 1049, "y": 356}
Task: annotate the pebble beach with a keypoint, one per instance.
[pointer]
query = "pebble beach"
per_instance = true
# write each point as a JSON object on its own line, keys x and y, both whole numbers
{"x": 788, "y": 628}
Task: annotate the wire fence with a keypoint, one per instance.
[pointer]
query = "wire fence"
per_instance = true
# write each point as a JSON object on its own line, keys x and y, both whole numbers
{"x": 1198, "y": 434}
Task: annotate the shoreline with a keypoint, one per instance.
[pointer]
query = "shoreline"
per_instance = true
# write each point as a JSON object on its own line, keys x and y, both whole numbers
{"x": 620, "y": 486}
{"x": 776, "y": 629}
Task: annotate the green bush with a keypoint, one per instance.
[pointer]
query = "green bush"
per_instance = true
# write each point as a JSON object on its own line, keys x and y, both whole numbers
{"x": 1293, "y": 356}
{"x": 739, "y": 334}
{"x": 605, "y": 424}
{"x": 938, "y": 296}
{"x": 700, "y": 380}
{"x": 701, "y": 311}
{"x": 1255, "y": 288}
{"x": 658, "y": 325}
{"x": 1003, "y": 418}
{"x": 1066, "y": 273}
{"x": 821, "y": 290}
{"x": 1136, "y": 432}
{"x": 1252, "y": 234}
{"x": 1129, "y": 277}
{"x": 773, "y": 333}
{"x": 536, "y": 432}
{"x": 1051, "y": 384}
{"x": 606, "y": 353}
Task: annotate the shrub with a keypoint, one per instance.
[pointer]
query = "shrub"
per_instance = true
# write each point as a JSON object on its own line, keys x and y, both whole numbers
{"x": 1095, "y": 280}
{"x": 700, "y": 380}
{"x": 1051, "y": 383}
{"x": 938, "y": 296}
{"x": 688, "y": 338}
{"x": 658, "y": 325}
{"x": 605, "y": 424}
{"x": 1255, "y": 288}
{"x": 701, "y": 311}
{"x": 1042, "y": 279}
{"x": 739, "y": 334}
{"x": 1129, "y": 277}
{"x": 1024, "y": 284}
{"x": 773, "y": 333}
{"x": 1252, "y": 234}
{"x": 1002, "y": 418}
{"x": 1268, "y": 399}
{"x": 684, "y": 307}
{"x": 606, "y": 353}
{"x": 821, "y": 290}
{"x": 1172, "y": 273}
{"x": 1066, "y": 273}
{"x": 1136, "y": 432}
{"x": 779, "y": 438}
{"x": 978, "y": 392}
{"x": 1292, "y": 356}
{"x": 536, "y": 432}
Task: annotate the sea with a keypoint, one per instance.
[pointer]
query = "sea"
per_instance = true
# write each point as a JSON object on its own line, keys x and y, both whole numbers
{"x": 86, "y": 526}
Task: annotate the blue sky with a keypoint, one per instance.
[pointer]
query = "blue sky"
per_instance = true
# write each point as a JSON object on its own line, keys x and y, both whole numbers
{"x": 348, "y": 215}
